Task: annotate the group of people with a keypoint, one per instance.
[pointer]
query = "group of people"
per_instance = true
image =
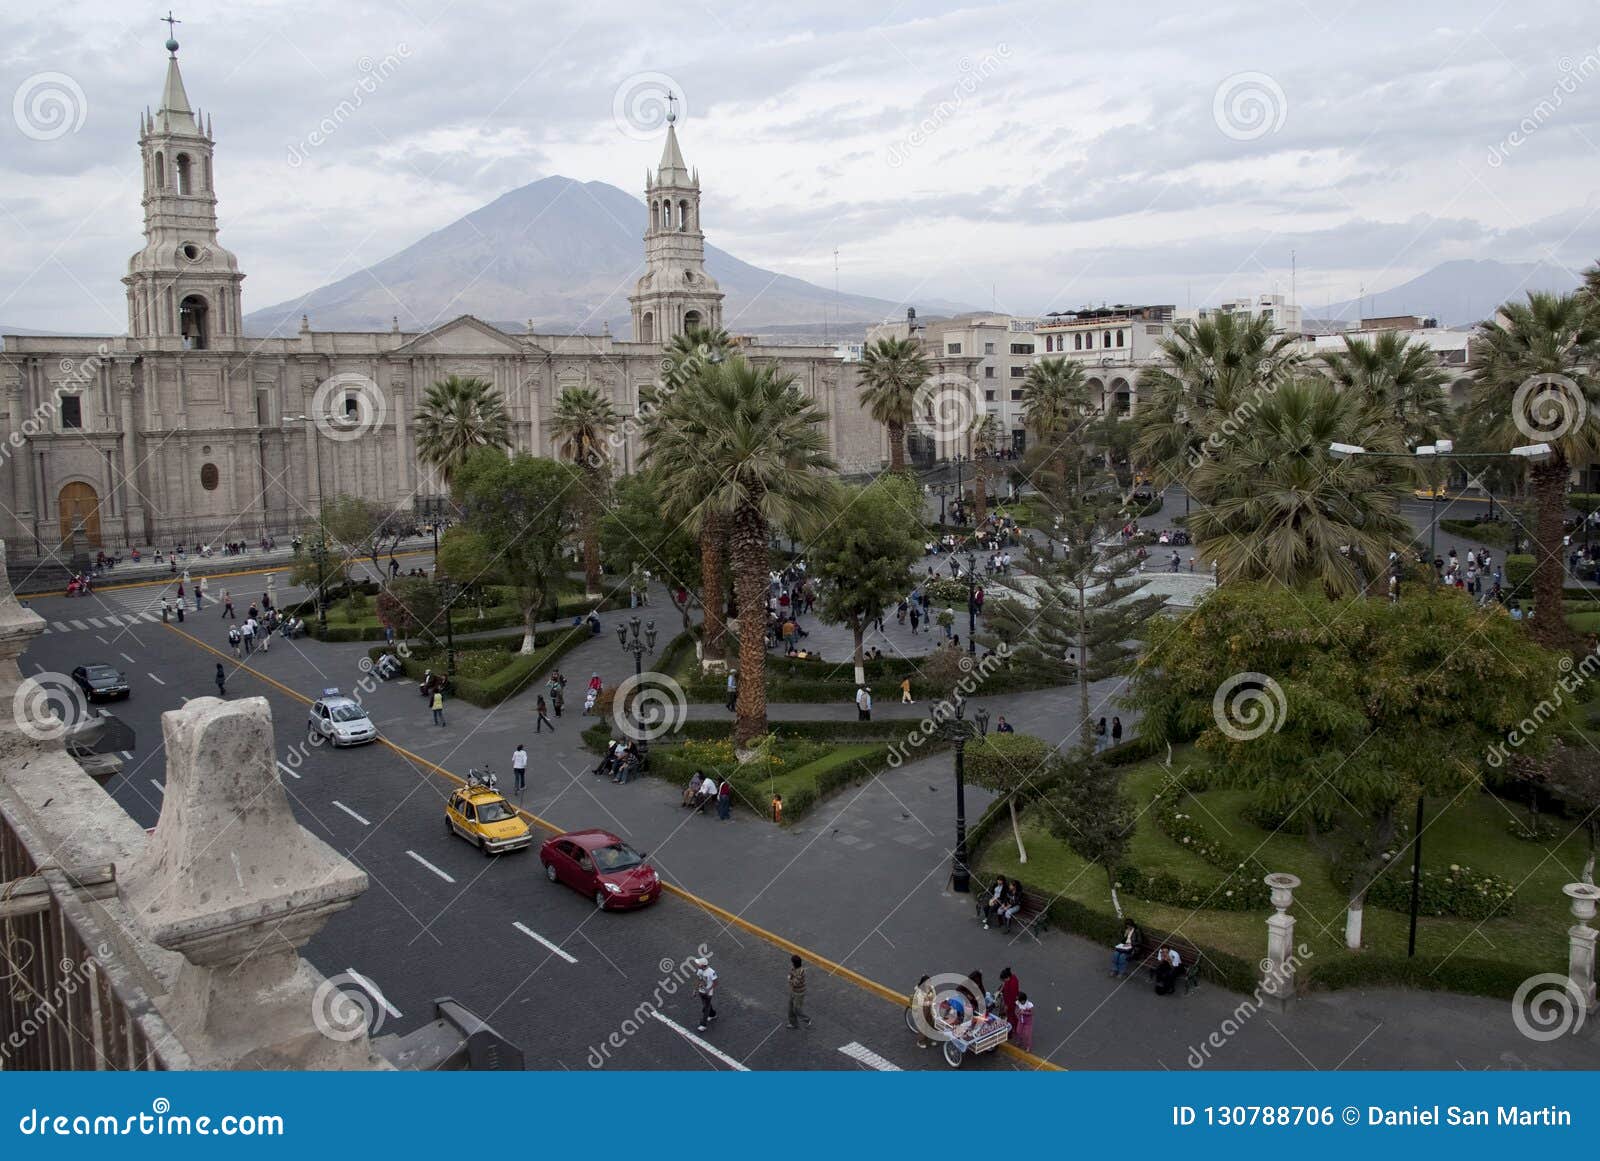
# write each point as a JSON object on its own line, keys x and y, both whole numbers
{"x": 1104, "y": 738}
{"x": 622, "y": 761}
{"x": 1166, "y": 968}
{"x": 705, "y": 790}
{"x": 1001, "y": 904}
{"x": 971, "y": 1001}
{"x": 255, "y": 634}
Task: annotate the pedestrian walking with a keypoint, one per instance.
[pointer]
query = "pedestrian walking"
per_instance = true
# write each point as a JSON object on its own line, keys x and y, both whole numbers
{"x": 264, "y": 635}
{"x": 234, "y": 639}
{"x": 922, "y": 1000}
{"x": 905, "y": 692}
{"x": 199, "y": 592}
{"x": 733, "y": 688}
{"x": 705, "y": 986}
{"x": 437, "y": 706}
{"x": 916, "y": 618}
{"x": 222, "y": 681}
{"x": 863, "y": 704}
{"x": 725, "y": 800}
{"x": 1116, "y": 731}
{"x": 1010, "y": 989}
{"x": 227, "y": 606}
{"x": 797, "y": 993}
{"x": 248, "y": 633}
{"x": 1022, "y": 1027}
{"x": 519, "y": 767}
{"x": 1100, "y": 735}
{"x": 543, "y": 721}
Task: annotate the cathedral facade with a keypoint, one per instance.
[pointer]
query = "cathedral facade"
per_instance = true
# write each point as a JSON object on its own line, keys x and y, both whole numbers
{"x": 188, "y": 431}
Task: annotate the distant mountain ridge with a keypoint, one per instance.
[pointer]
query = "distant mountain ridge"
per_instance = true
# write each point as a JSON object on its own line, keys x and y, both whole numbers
{"x": 1457, "y": 293}
{"x": 564, "y": 254}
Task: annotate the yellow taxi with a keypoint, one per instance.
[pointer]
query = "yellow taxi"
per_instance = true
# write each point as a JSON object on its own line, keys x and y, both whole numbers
{"x": 480, "y": 814}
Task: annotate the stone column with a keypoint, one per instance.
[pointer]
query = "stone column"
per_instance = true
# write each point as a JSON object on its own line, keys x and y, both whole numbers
{"x": 308, "y": 387}
{"x": 1581, "y": 940}
{"x": 132, "y": 501}
{"x": 233, "y": 883}
{"x": 1277, "y": 978}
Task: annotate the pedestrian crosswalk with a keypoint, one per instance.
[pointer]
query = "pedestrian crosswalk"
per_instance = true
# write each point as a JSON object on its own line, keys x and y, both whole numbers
{"x": 116, "y": 611}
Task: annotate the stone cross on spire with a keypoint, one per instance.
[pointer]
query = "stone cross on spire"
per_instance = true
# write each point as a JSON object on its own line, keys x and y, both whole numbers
{"x": 172, "y": 23}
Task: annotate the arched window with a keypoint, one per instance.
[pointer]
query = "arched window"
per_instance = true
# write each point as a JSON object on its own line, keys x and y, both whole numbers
{"x": 161, "y": 171}
{"x": 181, "y": 165}
{"x": 1119, "y": 338}
{"x": 1077, "y": 342}
{"x": 1108, "y": 338}
{"x": 683, "y": 215}
{"x": 209, "y": 477}
{"x": 192, "y": 322}
{"x": 647, "y": 328}
{"x": 206, "y": 170}
{"x": 691, "y": 321}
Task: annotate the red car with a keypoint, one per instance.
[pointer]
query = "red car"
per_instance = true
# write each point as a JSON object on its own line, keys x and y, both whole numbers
{"x": 598, "y": 864}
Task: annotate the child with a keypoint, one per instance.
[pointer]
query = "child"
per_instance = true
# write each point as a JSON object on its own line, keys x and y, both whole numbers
{"x": 777, "y": 809}
{"x": 1022, "y": 1023}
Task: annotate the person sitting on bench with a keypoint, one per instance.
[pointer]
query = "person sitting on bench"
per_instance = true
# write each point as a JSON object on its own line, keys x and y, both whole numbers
{"x": 1010, "y": 904}
{"x": 691, "y": 793}
{"x": 989, "y": 905}
{"x": 1169, "y": 966}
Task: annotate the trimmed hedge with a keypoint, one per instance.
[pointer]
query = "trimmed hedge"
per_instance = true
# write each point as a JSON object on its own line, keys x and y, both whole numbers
{"x": 517, "y": 674}
{"x": 1494, "y": 532}
{"x": 1519, "y": 576}
{"x": 466, "y": 620}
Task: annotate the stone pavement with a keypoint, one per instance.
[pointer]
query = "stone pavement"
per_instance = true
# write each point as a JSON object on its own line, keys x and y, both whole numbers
{"x": 863, "y": 881}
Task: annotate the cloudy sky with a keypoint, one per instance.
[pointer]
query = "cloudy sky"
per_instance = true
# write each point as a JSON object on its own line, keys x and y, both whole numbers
{"x": 1034, "y": 156}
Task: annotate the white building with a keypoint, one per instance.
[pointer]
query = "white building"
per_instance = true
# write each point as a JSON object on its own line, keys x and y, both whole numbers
{"x": 1114, "y": 343}
{"x": 1287, "y": 317}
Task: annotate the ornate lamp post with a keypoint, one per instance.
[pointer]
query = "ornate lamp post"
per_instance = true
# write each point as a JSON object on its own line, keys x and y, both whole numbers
{"x": 450, "y": 591}
{"x": 319, "y": 553}
{"x": 972, "y": 603}
{"x": 635, "y": 646}
{"x": 957, "y": 730}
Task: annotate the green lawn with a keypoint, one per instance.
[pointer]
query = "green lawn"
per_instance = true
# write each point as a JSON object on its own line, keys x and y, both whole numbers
{"x": 1456, "y": 953}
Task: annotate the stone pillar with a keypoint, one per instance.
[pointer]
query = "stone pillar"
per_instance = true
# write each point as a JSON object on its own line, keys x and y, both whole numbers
{"x": 21, "y": 459}
{"x": 1277, "y": 970}
{"x": 233, "y": 883}
{"x": 132, "y": 501}
{"x": 1581, "y": 940}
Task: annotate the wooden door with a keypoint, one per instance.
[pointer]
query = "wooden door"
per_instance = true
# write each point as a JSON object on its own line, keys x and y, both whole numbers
{"x": 80, "y": 510}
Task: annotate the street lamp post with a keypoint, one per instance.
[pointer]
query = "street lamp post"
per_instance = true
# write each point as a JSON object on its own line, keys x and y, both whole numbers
{"x": 319, "y": 553}
{"x": 451, "y": 590}
{"x": 635, "y": 646}
{"x": 958, "y": 730}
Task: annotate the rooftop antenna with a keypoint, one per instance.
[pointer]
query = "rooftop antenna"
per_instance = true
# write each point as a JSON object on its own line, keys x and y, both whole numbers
{"x": 1292, "y": 272}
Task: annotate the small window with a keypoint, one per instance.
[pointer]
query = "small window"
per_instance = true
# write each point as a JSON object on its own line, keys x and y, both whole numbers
{"x": 988, "y": 348}
{"x": 181, "y": 164}
{"x": 191, "y": 251}
{"x": 952, "y": 348}
{"x": 1016, "y": 395}
{"x": 988, "y": 372}
{"x": 988, "y": 396}
{"x": 1077, "y": 342}
{"x": 1022, "y": 348}
{"x": 1018, "y": 372}
{"x": 71, "y": 412}
{"x": 1119, "y": 337}
{"x": 1108, "y": 339}
{"x": 209, "y": 477}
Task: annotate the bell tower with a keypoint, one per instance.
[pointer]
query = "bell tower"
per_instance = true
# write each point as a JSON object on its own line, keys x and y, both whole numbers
{"x": 675, "y": 294}
{"x": 183, "y": 287}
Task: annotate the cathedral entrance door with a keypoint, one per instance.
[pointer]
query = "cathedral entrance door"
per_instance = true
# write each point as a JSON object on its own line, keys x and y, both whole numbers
{"x": 80, "y": 515}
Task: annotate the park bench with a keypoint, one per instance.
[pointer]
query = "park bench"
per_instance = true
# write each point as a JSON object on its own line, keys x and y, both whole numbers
{"x": 1031, "y": 918}
{"x": 1188, "y": 953}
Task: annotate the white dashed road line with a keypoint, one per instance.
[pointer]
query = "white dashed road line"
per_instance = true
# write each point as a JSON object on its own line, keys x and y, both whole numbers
{"x": 287, "y": 771}
{"x": 77, "y": 624}
{"x": 347, "y": 810}
{"x": 703, "y": 1045}
{"x": 372, "y": 990}
{"x": 537, "y": 938}
{"x": 160, "y": 789}
{"x": 868, "y": 1057}
{"x": 98, "y": 624}
{"x": 431, "y": 867}
{"x": 126, "y": 658}
{"x": 155, "y": 679}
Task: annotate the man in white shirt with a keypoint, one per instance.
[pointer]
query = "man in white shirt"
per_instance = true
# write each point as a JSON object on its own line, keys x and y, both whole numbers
{"x": 519, "y": 767}
{"x": 248, "y": 632}
{"x": 863, "y": 704}
{"x": 705, "y": 987}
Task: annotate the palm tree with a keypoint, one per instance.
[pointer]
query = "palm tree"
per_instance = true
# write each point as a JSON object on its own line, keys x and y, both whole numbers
{"x": 1276, "y": 507}
{"x": 741, "y": 442}
{"x": 1055, "y": 402}
{"x": 582, "y": 422}
{"x": 1208, "y": 371}
{"x": 1531, "y": 385}
{"x": 892, "y": 372}
{"x": 1399, "y": 378}
{"x": 459, "y": 415}
{"x": 985, "y": 435}
{"x": 688, "y": 355}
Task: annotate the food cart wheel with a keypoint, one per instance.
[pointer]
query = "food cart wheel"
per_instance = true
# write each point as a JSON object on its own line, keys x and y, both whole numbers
{"x": 952, "y": 1054}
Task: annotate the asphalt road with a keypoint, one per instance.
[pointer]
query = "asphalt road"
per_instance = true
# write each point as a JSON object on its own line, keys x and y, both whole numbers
{"x": 573, "y": 987}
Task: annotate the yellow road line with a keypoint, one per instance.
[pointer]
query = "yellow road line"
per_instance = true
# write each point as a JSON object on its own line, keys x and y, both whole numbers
{"x": 772, "y": 937}
{"x": 173, "y": 578}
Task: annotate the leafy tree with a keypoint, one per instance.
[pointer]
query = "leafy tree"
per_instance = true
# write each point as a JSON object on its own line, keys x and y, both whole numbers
{"x": 1010, "y": 765}
{"x": 635, "y": 530}
{"x": 741, "y": 442}
{"x": 1340, "y": 712}
{"x": 1399, "y": 378}
{"x": 861, "y": 560}
{"x": 362, "y": 528}
{"x": 1086, "y": 808}
{"x": 518, "y": 514}
{"x": 1074, "y": 619}
{"x": 892, "y": 372}
{"x": 1531, "y": 384}
{"x": 689, "y": 356}
{"x": 458, "y": 416}
{"x": 985, "y": 435}
{"x": 414, "y": 606}
{"x": 583, "y": 421}
{"x": 1276, "y": 506}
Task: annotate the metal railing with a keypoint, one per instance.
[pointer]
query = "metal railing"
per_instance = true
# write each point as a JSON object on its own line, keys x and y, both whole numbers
{"x": 71, "y": 995}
